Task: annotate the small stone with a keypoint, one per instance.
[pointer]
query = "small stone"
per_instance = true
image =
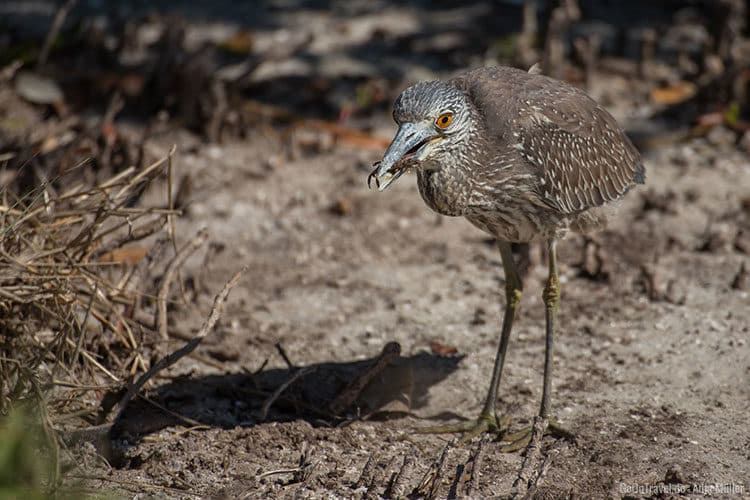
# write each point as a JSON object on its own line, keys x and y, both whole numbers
{"x": 741, "y": 280}
{"x": 593, "y": 265}
{"x": 480, "y": 316}
{"x": 674, "y": 475}
{"x": 342, "y": 206}
{"x": 721, "y": 136}
{"x": 742, "y": 242}
{"x": 37, "y": 89}
{"x": 675, "y": 293}
{"x": 720, "y": 237}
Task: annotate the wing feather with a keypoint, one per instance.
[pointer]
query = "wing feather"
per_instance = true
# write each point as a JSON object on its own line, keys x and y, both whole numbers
{"x": 582, "y": 156}
{"x": 588, "y": 161}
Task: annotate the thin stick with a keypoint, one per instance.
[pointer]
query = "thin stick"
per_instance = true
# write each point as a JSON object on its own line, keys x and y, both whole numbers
{"x": 268, "y": 402}
{"x": 93, "y": 361}
{"x": 398, "y": 485}
{"x": 430, "y": 483}
{"x": 185, "y": 252}
{"x": 351, "y": 392}
{"x": 170, "y": 201}
{"x": 476, "y": 466}
{"x": 140, "y": 177}
{"x": 171, "y": 413}
{"x": 543, "y": 468}
{"x": 532, "y": 461}
{"x": 54, "y": 30}
{"x": 139, "y": 485}
{"x": 366, "y": 474}
{"x": 111, "y": 182}
{"x": 279, "y": 471}
{"x": 213, "y": 317}
{"x": 82, "y": 333}
{"x": 99, "y": 316}
{"x": 282, "y": 353}
{"x": 79, "y": 387}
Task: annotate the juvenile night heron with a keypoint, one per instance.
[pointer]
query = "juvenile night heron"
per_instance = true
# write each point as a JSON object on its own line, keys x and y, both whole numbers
{"x": 523, "y": 157}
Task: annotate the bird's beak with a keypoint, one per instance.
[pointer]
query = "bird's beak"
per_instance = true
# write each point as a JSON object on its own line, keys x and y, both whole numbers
{"x": 410, "y": 146}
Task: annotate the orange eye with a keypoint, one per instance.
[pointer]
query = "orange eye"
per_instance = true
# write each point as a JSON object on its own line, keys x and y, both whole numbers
{"x": 444, "y": 120}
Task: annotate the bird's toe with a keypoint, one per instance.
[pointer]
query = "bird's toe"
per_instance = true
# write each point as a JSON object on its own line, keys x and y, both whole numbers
{"x": 522, "y": 438}
{"x": 485, "y": 423}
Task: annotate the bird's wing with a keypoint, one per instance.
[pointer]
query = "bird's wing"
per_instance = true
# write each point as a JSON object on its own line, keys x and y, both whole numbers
{"x": 583, "y": 156}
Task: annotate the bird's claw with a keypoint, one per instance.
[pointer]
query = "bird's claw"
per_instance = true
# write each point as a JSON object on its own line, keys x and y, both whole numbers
{"x": 492, "y": 425}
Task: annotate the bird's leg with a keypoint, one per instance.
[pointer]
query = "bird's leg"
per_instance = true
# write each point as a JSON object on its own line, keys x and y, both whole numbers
{"x": 551, "y": 296}
{"x": 513, "y": 294}
{"x": 488, "y": 420}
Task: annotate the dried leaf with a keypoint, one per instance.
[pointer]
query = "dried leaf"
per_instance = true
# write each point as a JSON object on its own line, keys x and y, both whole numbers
{"x": 673, "y": 94}
{"x": 129, "y": 255}
{"x": 239, "y": 43}
{"x": 443, "y": 349}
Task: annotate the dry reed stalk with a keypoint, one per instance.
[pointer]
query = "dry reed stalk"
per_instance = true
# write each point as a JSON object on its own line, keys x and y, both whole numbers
{"x": 66, "y": 299}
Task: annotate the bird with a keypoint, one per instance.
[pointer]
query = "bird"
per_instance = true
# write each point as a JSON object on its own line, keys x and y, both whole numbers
{"x": 523, "y": 157}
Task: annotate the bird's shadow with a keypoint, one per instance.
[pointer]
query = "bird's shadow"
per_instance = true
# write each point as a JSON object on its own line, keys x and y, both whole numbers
{"x": 324, "y": 394}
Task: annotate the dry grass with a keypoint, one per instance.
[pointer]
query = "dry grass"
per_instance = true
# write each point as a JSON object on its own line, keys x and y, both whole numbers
{"x": 71, "y": 284}
{"x": 85, "y": 281}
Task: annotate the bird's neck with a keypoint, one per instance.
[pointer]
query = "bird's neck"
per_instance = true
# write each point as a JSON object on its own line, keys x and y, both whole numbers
{"x": 444, "y": 189}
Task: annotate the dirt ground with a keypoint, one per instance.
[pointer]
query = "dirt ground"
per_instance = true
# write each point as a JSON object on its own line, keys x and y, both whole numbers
{"x": 651, "y": 366}
{"x": 652, "y": 361}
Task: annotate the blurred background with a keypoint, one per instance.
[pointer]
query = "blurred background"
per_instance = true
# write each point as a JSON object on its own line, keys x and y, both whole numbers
{"x": 227, "y": 69}
{"x": 150, "y": 149}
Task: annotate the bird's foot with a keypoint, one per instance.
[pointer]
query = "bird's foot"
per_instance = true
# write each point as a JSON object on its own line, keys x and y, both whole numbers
{"x": 521, "y": 439}
{"x": 485, "y": 423}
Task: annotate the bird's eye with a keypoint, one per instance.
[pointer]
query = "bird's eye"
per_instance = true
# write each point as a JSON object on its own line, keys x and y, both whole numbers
{"x": 444, "y": 120}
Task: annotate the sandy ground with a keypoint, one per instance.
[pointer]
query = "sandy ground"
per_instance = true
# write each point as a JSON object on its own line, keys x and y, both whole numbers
{"x": 651, "y": 366}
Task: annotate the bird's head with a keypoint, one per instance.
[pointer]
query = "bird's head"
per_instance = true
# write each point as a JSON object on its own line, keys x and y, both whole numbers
{"x": 434, "y": 121}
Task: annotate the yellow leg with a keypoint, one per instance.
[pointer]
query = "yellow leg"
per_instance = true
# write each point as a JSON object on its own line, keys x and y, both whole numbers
{"x": 488, "y": 420}
{"x": 551, "y": 296}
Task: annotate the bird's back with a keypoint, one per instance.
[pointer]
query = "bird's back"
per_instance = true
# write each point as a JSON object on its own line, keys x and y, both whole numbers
{"x": 580, "y": 154}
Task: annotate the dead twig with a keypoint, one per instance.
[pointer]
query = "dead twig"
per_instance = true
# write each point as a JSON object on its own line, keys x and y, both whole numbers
{"x": 213, "y": 317}
{"x": 532, "y": 462}
{"x": 54, "y": 30}
{"x": 430, "y": 483}
{"x": 170, "y": 197}
{"x": 290, "y": 470}
{"x": 549, "y": 456}
{"x": 476, "y": 466}
{"x": 397, "y": 485}
{"x": 306, "y": 465}
{"x": 180, "y": 257}
{"x": 282, "y": 353}
{"x": 135, "y": 485}
{"x": 457, "y": 478}
{"x": 365, "y": 476}
{"x": 295, "y": 376}
{"x": 288, "y": 402}
{"x": 302, "y": 472}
